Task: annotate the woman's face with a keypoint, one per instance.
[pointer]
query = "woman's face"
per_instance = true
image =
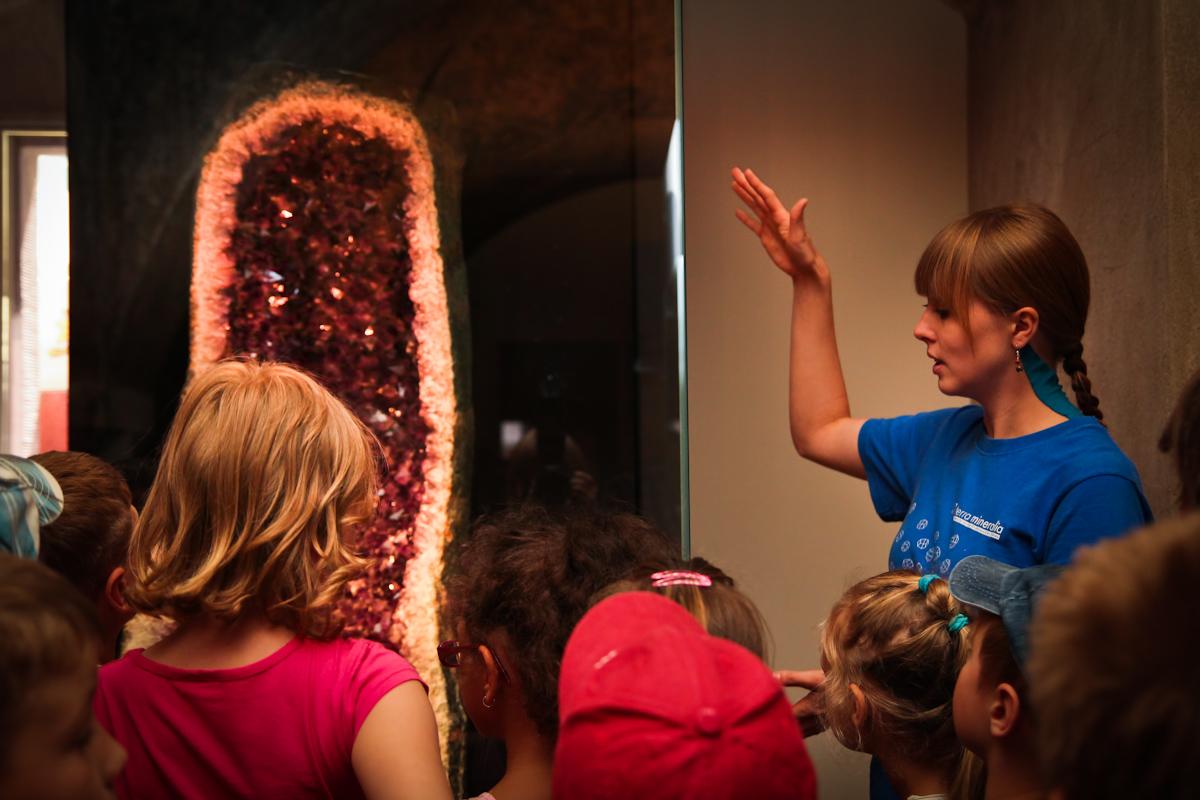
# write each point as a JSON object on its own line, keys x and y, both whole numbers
{"x": 963, "y": 368}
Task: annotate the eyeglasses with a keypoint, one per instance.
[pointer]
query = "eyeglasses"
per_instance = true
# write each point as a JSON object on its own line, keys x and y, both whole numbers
{"x": 450, "y": 654}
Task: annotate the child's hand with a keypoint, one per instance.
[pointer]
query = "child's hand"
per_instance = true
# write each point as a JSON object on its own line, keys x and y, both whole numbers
{"x": 810, "y": 709}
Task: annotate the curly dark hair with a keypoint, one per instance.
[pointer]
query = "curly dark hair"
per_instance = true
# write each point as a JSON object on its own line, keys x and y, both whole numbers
{"x": 531, "y": 573}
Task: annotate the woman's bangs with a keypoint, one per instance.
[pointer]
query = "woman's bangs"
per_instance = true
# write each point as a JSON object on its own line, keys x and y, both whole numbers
{"x": 944, "y": 269}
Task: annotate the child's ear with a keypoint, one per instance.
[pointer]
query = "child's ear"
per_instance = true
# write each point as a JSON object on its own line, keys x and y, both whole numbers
{"x": 1005, "y": 712}
{"x": 491, "y": 679}
{"x": 860, "y": 707}
{"x": 114, "y": 591}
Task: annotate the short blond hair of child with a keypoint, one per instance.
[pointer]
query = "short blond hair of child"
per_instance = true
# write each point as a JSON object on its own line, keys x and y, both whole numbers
{"x": 709, "y": 595}
{"x": 901, "y": 638}
{"x": 1111, "y": 669}
{"x": 263, "y": 477}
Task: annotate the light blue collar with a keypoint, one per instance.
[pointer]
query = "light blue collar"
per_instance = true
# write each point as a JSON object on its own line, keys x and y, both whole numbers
{"x": 1044, "y": 380}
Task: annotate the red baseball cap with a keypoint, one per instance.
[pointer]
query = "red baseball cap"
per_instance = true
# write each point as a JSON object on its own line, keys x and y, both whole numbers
{"x": 651, "y": 706}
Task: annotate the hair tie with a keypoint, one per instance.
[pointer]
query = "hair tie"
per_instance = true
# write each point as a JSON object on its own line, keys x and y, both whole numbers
{"x": 923, "y": 584}
{"x": 679, "y": 577}
{"x": 958, "y": 623}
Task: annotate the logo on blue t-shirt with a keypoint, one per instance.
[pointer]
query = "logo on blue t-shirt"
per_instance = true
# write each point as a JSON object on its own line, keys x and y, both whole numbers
{"x": 992, "y": 530}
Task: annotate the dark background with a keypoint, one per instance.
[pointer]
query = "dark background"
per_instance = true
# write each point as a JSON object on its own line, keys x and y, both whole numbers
{"x": 550, "y": 123}
{"x": 552, "y": 120}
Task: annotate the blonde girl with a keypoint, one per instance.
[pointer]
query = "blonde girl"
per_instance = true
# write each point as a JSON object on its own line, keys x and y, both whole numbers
{"x": 891, "y": 649}
{"x": 246, "y": 542}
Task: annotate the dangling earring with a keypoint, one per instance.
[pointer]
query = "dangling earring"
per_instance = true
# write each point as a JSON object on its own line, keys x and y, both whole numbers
{"x": 1020, "y": 366}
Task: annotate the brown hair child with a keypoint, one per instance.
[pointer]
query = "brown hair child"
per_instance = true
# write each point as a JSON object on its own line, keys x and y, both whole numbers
{"x": 51, "y": 747}
{"x": 88, "y": 543}
{"x": 1112, "y": 670}
{"x": 993, "y": 712}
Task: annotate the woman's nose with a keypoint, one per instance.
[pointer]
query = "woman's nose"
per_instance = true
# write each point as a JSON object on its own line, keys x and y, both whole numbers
{"x": 923, "y": 331}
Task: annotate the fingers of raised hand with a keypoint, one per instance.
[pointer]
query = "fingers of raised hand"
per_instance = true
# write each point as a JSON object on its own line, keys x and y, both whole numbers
{"x": 750, "y": 222}
{"x": 798, "y": 211}
{"x": 742, "y": 178}
{"x": 770, "y": 199}
{"x": 751, "y": 200}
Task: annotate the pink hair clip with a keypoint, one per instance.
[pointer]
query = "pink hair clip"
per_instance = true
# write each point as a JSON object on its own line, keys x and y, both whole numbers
{"x": 679, "y": 577}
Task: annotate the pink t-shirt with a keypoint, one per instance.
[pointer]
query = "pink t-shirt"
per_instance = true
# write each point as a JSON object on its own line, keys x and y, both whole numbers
{"x": 282, "y": 727}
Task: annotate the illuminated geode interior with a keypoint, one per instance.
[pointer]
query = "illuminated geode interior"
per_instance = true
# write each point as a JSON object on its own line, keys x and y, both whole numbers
{"x": 324, "y": 285}
{"x": 317, "y": 243}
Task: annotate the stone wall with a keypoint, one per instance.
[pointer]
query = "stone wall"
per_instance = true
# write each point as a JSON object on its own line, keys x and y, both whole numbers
{"x": 1091, "y": 110}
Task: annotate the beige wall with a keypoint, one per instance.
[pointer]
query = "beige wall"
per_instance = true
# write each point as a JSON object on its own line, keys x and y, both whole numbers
{"x": 1101, "y": 126}
{"x": 860, "y": 105}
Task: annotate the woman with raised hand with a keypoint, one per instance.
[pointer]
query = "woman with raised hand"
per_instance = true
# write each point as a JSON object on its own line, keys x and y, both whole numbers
{"x": 1022, "y": 475}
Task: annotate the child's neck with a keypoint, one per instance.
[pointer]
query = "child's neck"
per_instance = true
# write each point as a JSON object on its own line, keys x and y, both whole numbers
{"x": 1012, "y": 774}
{"x": 529, "y": 762}
{"x": 209, "y": 644}
{"x": 910, "y": 779}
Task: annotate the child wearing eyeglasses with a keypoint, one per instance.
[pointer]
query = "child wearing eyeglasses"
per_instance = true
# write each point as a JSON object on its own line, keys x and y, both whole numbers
{"x": 891, "y": 650}
{"x": 523, "y": 579}
{"x": 245, "y": 542}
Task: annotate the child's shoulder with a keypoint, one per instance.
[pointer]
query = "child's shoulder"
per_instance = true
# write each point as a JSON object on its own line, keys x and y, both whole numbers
{"x": 353, "y": 657}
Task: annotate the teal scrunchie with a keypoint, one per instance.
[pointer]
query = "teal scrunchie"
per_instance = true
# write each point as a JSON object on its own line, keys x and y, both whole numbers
{"x": 958, "y": 623}
{"x": 29, "y": 498}
{"x": 923, "y": 583}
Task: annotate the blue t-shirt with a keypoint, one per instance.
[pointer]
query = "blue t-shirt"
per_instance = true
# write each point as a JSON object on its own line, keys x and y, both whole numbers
{"x": 1028, "y": 500}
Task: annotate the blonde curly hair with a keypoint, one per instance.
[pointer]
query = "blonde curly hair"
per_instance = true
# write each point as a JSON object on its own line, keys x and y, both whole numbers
{"x": 262, "y": 478}
{"x": 895, "y": 643}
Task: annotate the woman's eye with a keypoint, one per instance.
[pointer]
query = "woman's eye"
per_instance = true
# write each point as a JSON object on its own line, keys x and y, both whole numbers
{"x": 943, "y": 313}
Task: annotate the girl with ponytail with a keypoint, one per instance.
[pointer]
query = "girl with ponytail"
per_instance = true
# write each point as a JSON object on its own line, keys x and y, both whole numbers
{"x": 1023, "y": 475}
{"x": 892, "y": 648}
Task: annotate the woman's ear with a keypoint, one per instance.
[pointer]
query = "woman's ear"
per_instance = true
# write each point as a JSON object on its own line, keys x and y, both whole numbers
{"x": 1005, "y": 713}
{"x": 1024, "y": 322}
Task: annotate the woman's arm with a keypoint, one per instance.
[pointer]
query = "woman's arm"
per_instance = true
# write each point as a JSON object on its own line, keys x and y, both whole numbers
{"x": 396, "y": 754}
{"x": 822, "y": 428}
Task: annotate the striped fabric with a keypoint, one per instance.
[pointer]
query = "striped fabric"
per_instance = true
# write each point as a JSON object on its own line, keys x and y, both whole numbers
{"x": 29, "y": 498}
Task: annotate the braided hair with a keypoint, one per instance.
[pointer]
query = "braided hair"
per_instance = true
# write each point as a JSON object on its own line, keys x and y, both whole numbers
{"x": 1076, "y": 369}
{"x": 1012, "y": 257}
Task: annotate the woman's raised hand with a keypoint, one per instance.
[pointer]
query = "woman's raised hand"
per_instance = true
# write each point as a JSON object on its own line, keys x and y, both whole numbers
{"x": 781, "y": 232}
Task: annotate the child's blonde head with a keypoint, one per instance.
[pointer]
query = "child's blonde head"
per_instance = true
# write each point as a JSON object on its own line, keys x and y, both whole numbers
{"x": 262, "y": 475}
{"x": 895, "y": 642}
{"x": 710, "y": 596}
